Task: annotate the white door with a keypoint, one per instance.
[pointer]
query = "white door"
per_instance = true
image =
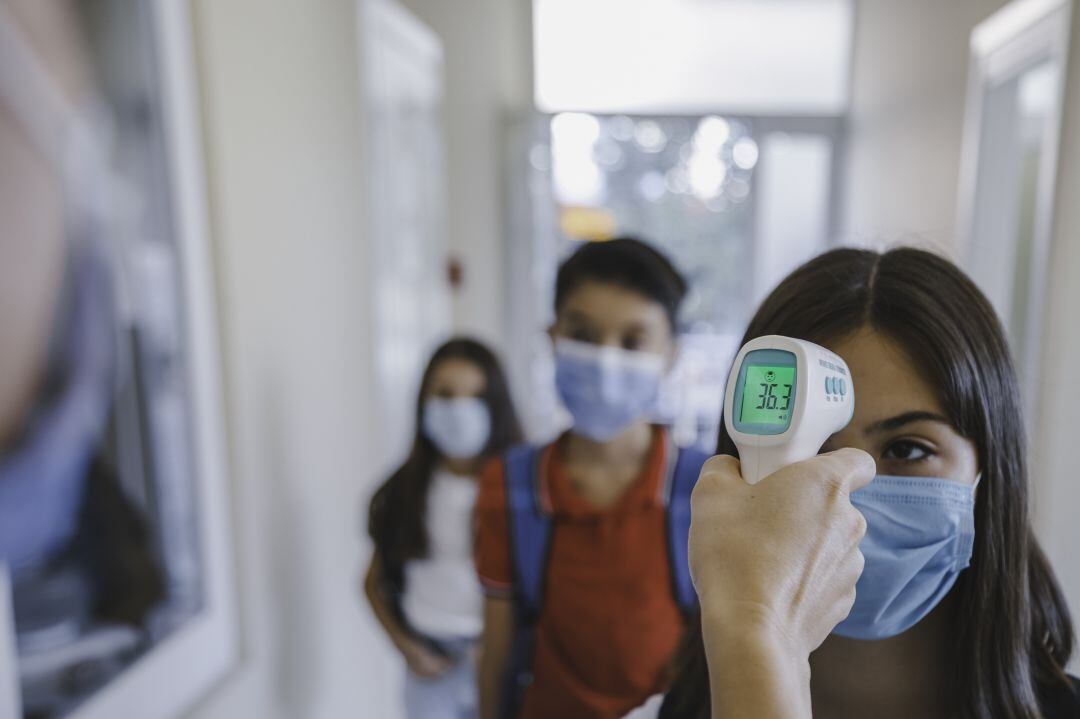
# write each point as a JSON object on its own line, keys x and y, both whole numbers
{"x": 1009, "y": 165}
{"x": 402, "y": 72}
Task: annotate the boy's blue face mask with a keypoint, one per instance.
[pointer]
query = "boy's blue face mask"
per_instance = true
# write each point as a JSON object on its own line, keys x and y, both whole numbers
{"x": 606, "y": 389}
{"x": 919, "y": 536}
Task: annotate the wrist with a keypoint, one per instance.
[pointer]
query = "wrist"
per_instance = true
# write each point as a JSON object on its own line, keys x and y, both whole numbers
{"x": 755, "y": 668}
{"x": 746, "y": 623}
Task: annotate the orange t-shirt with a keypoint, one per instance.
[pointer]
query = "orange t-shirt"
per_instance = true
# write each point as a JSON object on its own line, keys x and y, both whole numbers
{"x": 609, "y": 622}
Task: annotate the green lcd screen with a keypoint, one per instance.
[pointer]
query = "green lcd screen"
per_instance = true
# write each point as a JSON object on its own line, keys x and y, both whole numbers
{"x": 767, "y": 395}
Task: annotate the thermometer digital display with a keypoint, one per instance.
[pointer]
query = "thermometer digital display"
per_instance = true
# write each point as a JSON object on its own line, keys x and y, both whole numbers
{"x": 767, "y": 396}
{"x": 784, "y": 398}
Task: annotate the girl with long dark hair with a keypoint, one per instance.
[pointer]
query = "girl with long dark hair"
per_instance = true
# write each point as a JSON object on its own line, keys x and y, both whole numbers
{"x": 421, "y": 582}
{"x": 956, "y": 612}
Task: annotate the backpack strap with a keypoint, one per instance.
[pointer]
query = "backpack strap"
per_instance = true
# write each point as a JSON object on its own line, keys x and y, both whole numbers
{"x": 530, "y": 527}
{"x": 681, "y": 481}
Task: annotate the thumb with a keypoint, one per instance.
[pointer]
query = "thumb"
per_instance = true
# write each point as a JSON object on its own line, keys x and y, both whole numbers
{"x": 853, "y": 468}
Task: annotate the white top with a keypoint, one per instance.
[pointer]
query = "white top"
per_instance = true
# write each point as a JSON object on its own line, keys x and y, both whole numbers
{"x": 443, "y": 597}
{"x": 649, "y": 710}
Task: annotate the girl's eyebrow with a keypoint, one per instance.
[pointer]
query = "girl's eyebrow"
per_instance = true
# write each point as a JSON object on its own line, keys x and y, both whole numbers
{"x": 578, "y": 317}
{"x": 581, "y": 318}
{"x": 900, "y": 420}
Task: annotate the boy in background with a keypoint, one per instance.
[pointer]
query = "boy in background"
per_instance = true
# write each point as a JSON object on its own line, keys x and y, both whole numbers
{"x": 581, "y": 543}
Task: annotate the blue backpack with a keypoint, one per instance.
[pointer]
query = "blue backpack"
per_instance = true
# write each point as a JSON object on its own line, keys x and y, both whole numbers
{"x": 530, "y": 540}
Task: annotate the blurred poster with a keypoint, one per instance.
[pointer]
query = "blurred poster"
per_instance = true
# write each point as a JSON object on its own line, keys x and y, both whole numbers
{"x": 99, "y": 525}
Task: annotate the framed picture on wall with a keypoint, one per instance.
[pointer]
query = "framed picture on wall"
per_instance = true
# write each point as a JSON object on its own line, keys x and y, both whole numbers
{"x": 116, "y": 590}
{"x": 1009, "y": 165}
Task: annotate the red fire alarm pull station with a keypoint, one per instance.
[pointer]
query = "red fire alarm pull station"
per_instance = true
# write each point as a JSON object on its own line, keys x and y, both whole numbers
{"x": 455, "y": 273}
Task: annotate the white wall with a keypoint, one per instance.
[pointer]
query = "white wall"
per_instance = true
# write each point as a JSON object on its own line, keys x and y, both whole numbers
{"x": 907, "y": 104}
{"x": 487, "y": 49}
{"x": 688, "y": 57}
{"x": 279, "y": 86}
{"x": 1055, "y": 478}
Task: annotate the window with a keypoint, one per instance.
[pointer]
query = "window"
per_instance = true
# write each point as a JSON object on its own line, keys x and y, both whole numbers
{"x": 777, "y": 57}
{"x": 707, "y": 128}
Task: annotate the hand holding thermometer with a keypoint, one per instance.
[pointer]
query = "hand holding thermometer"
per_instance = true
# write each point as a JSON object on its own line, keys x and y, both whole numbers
{"x": 784, "y": 398}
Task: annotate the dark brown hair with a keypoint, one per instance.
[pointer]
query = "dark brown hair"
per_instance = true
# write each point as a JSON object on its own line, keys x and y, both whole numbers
{"x": 628, "y": 263}
{"x": 1014, "y": 635}
{"x": 397, "y": 509}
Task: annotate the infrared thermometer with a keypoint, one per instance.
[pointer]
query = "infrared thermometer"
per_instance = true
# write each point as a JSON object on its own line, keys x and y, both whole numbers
{"x": 784, "y": 398}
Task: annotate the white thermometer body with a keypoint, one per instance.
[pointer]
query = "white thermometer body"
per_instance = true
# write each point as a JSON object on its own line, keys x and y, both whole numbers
{"x": 784, "y": 398}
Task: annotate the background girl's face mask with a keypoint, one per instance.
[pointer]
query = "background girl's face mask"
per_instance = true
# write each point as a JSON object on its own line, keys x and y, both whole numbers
{"x": 459, "y": 427}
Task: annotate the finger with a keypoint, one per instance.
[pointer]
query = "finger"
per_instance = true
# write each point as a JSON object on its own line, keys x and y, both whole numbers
{"x": 722, "y": 468}
{"x": 858, "y": 526}
{"x": 853, "y": 468}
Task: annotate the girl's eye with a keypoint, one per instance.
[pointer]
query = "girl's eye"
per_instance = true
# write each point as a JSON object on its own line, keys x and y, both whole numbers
{"x": 907, "y": 451}
{"x": 581, "y": 334}
{"x": 631, "y": 343}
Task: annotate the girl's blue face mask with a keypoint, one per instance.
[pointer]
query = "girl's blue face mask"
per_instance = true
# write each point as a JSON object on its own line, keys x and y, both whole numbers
{"x": 459, "y": 427}
{"x": 919, "y": 537}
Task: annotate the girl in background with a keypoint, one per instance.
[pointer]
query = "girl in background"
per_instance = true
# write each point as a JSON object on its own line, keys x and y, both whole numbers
{"x": 421, "y": 582}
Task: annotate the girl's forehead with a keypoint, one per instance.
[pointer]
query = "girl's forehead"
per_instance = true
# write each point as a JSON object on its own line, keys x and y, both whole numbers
{"x": 885, "y": 376}
{"x": 457, "y": 371}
